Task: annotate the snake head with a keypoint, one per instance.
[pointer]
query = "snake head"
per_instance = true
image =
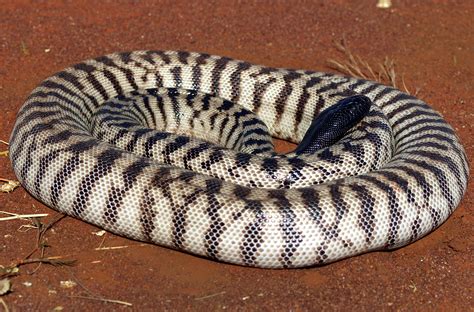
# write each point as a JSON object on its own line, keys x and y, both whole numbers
{"x": 331, "y": 125}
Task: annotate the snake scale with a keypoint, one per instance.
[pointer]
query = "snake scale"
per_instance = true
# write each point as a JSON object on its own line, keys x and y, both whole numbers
{"x": 104, "y": 141}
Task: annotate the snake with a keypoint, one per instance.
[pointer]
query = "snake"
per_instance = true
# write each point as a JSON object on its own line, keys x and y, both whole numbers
{"x": 176, "y": 149}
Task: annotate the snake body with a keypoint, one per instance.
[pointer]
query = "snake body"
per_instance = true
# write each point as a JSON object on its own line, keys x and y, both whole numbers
{"x": 82, "y": 144}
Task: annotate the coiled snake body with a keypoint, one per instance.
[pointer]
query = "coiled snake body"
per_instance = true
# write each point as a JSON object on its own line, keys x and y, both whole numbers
{"x": 397, "y": 175}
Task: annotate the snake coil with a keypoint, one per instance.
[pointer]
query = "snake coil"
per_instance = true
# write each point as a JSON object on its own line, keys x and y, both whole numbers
{"x": 104, "y": 141}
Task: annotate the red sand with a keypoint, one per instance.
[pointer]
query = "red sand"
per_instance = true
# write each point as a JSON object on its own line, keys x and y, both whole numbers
{"x": 433, "y": 45}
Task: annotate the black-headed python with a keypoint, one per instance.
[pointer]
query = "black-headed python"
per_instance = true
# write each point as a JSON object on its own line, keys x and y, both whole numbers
{"x": 107, "y": 141}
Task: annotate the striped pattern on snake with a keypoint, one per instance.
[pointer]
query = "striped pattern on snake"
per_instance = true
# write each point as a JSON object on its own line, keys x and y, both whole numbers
{"x": 94, "y": 142}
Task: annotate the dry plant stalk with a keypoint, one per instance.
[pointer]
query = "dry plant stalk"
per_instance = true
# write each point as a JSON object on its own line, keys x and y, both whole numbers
{"x": 14, "y": 216}
{"x": 355, "y": 66}
{"x": 4, "y": 305}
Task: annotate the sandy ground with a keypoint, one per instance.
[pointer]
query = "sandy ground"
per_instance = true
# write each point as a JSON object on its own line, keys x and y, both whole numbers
{"x": 433, "y": 45}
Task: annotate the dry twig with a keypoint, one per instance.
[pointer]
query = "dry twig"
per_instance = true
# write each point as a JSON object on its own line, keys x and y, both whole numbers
{"x": 40, "y": 247}
{"x": 41, "y": 244}
{"x": 12, "y": 270}
{"x": 54, "y": 261}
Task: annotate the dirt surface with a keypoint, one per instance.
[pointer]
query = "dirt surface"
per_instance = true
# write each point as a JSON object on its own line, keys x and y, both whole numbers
{"x": 433, "y": 45}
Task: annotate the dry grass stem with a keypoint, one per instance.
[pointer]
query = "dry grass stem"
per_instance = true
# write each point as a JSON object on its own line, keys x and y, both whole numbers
{"x": 39, "y": 215}
{"x": 14, "y": 216}
{"x": 4, "y": 305}
{"x": 103, "y": 300}
{"x": 92, "y": 296}
{"x": 24, "y": 49}
{"x": 110, "y": 248}
{"x": 210, "y": 296}
{"x": 355, "y": 66}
